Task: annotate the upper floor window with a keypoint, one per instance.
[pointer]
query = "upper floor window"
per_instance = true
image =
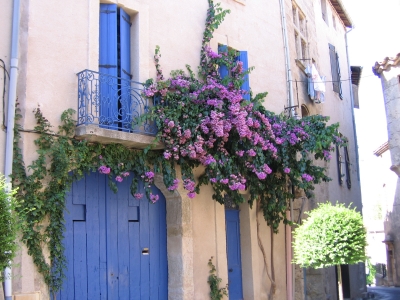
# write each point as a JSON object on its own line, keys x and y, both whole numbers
{"x": 324, "y": 12}
{"x": 241, "y": 57}
{"x": 333, "y": 21}
{"x": 300, "y": 32}
{"x": 335, "y": 69}
{"x": 114, "y": 51}
{"x": 343, "y": 161}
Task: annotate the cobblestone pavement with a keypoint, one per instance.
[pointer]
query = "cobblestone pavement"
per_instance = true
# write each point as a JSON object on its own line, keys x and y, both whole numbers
{"x": 384, "y": 293}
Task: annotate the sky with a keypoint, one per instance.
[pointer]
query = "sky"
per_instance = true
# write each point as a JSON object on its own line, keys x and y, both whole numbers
{"x": 374, "y": 37}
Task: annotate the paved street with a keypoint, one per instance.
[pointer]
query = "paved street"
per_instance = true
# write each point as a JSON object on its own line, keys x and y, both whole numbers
{"x": 385, "y": 293}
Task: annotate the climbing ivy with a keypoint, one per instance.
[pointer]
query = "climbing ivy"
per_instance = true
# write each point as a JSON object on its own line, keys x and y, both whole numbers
{"x": 216, "y": 293}
{"x": 8, "y": 226}
{"x": 203, "y": 121}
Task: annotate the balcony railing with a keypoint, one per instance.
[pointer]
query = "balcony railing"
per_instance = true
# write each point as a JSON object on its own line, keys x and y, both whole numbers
{"x": 112, "y": 103}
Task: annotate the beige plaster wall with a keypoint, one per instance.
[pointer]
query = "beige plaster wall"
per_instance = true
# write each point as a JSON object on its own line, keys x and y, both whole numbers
{"x": 391, "y": 93}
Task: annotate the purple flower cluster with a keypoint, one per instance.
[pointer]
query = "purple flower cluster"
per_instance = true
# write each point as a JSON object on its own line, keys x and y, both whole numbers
{"x": 138, "y": 196}
{"x": 104, "y": 170}
{"x": 190, "y": 185}
{"x": 307, "y": 177}
{"x": 174, "y": 186}
{"x": 154, "y": 198}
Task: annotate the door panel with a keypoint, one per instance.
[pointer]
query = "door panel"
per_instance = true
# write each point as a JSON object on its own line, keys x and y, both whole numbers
{"x": 104, "y": 238}
{"x": 233, "y": 254}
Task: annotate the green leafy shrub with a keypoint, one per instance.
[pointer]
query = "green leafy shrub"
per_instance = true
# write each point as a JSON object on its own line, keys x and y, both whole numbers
{"x": 8, "y": 227}
{"x": 371, "y": 273}
{"x": 216, "y": 293}
{"x": 331, "y": 235}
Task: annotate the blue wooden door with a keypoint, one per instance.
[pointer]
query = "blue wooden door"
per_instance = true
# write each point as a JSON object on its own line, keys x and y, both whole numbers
{"x": 115, "y": 244}
{"x": 233, "y": 254}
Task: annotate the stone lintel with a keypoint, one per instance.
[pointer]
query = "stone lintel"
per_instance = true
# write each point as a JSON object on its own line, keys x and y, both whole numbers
{"x": 93, "y": 133}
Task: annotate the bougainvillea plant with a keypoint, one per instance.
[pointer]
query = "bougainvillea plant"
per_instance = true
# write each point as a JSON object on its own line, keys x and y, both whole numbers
{"x": 205, "y": 121}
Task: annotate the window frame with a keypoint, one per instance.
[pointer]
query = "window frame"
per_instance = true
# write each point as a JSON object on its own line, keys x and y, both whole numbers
{"x": 335, "y": 71}
{"x": 300, "y": 32}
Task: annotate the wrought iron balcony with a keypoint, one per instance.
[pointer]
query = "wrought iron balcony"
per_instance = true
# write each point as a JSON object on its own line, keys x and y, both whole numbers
{"x": 112, "y": 103}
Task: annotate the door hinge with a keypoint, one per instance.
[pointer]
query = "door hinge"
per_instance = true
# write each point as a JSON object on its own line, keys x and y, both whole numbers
{"x": 107, "y": 66}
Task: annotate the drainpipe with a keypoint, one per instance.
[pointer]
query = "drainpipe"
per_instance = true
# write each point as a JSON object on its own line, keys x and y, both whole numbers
{"x": 12, "y": 95}
{"x": 352, "y": 104}
{"x": 287, "y": 60}
{"x": 290, "y": 279}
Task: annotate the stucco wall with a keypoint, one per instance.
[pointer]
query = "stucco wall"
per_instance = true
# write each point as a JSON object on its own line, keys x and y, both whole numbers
{"x": 391, "y": 93}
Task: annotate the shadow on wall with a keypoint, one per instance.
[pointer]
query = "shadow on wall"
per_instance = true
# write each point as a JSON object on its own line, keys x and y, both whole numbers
{"x": 392, "y": 240}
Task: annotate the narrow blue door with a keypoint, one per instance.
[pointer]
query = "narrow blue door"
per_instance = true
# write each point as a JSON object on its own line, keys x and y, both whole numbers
{"x": 115, "y": 245}
{"x": 233, "y": 254}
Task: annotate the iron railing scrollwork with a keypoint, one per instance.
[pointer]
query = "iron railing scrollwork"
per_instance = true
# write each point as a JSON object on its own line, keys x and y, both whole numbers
{"x": 112, "y": 103}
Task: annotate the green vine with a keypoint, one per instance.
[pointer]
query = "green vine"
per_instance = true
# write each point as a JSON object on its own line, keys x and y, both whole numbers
{"x": 8, "y": 226}
{"x": 202, "y": 121}
{"x": 216, "y": 293}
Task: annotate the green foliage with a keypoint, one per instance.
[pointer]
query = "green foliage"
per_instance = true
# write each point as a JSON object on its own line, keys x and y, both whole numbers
{"x": 8, "y": 226}
{"x": 372, "y": 271}
{"x": 216, "y": 293}
{"x": 331, "y": 235}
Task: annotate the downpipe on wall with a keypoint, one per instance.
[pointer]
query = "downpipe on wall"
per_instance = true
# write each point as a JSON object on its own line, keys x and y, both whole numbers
{"x": 12, "y": 96}
{"x": 290, "y": 279}
{"x": 352, "y": 103}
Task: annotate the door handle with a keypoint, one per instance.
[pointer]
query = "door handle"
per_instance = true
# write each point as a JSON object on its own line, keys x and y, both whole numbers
{"x": 230, "y": 270}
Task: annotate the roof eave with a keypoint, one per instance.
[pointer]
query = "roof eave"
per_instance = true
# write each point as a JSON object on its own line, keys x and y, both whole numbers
{"x": 341, "y": 11}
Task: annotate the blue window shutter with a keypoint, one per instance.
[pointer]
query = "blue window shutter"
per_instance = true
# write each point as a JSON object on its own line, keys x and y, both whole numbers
{"x": 108, "y": 65}
{"x": 223, "y": 70}
{"x": 125, "y": 44}
{"x": 246, "y": 84}
{"x": 108, "y": 57}
{"x": 125, "y": 68}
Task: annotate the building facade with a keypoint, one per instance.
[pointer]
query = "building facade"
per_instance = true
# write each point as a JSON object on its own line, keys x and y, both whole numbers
{"x": 291, "y": 44}
{"x": 388, "y": 71}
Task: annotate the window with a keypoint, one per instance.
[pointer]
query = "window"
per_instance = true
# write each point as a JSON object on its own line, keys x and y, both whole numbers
{"x": 334, "y": 21}
{"x": 114, "y": 41}
{"x": 242, "y": 57}
{"x": 114, "y": 67}
{"x": 343, "y": 161}
{"x": 337, "y": 87}
{"x": 300, "y": 32}
{"x": 324, "y": 13}
{"x": 304, "y": 111}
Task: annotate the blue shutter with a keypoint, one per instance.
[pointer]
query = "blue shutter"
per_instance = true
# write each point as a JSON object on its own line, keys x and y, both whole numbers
{"x": 108, "y": 58}
{"x": 125, "y": 69}
{"x": 223, "y": 70}
{"x": 108, "y": 62}
{"x": 246, "y": 85}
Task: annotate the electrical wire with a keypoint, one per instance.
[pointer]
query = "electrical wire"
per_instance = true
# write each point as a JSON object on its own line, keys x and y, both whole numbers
{"x": 342, "y": 80}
